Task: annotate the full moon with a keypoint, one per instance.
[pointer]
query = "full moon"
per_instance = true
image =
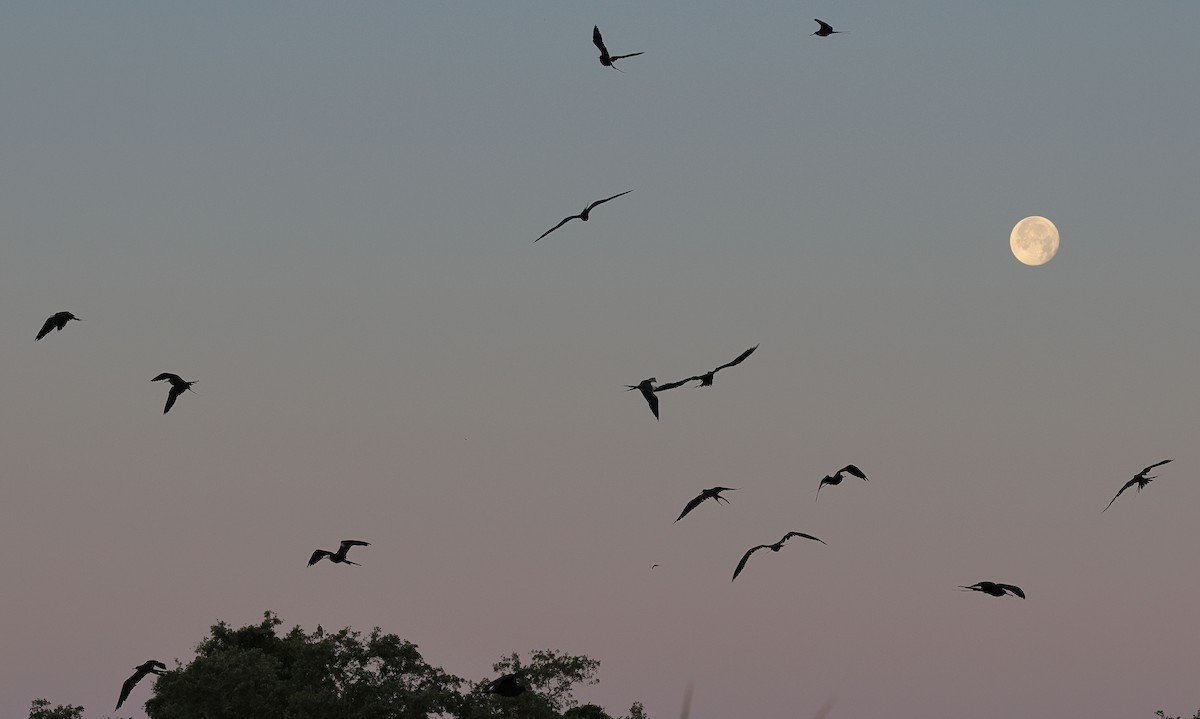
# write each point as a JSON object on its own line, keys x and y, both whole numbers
{"x": 1034, "y": 240}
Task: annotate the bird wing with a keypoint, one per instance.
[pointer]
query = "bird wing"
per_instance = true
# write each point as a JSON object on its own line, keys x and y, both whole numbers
{"x": 1145, "y": 471}
{"x": 176, "y": 390}
{"x": 46, "y": 328}
{"x": 824, "y": 25}
{"x": 822, "y": 484}
{"x": 348, "y": 543}
{"x": 599, "y": 41}
{"x": 1128, "y": 484}
{"x": 692, "y": 505}
{"x": 850, "y": 468}
{"x": 673, "y": 385}
{"x": 552, "y": 229}
{"x": 651, "y": 399}
{"x": 1014, "y": 589}
{"x": 601, "y": 202}
{"x": 318, "y": 555}
{"x": 789, "y": 535}
{"x": 740, "y": 357}
{"x": 169, "y": 377}
{"x": 745, "y": 558}
{"x": 614, "y": 58}
{"x": 128, "y": 686}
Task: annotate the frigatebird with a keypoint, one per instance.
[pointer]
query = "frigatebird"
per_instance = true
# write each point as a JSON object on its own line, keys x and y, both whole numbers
{"x": 996, "y": 589}
{"x": 56, "y": 322}
{"x": 773, "y": 547}
{"x": 711, "y": 493}
{"x": 706, "y": 379}
{"x": 508, "y": 685}
{"x": 178, "y": 386}
{"x": 338, "y": 557}
{"x": 150, "y": 667}
{"x": 1140, "y": 479}
{"x": 605, "y": 59}
{"x": 836, "y": 477}
{"x": 647, "y": 388}
{"x": 825, "y": 30}
{"x": 582, "y": 215}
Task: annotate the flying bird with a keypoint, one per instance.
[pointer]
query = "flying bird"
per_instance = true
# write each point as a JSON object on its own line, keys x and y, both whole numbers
{"x": 713, "y": 493}
{"x": 338, "y": 557}
{"x": 150, "y": 667}
{"x": 773, "y": 547}
{"x": 582, "y": 215}
{"x": 605, "y": 59}
{"x": 56, "y": 322}
{"x": 995, "y": 589}
{"x": 178, "y": 386}
{"x": 647, "y": 388}
{"x": 825, "y": 30}
{"x": 706, "y": 379}
{"x": 836, "y": 477}
{"x": 508, "y": 685}
{"x": 1140, "y": 479}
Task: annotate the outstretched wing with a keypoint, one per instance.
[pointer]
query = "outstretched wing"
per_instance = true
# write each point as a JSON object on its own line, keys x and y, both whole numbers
{"x": 552, "y": 229}
{"x": 673, "y": 385}
{"x": 318, "y": 555}
{"x": 128, "y": 686}
{"x": 651, "y": 399}
{"x": 1128, "y": 484}
{"x": 692, "y": 505}
{"x": 789, "y": 535}
{"x": 1146, "y": 471}
{"x": 740, "y": 357}
{"x": 851, "y": 469}
{"x": 176, "y": 390}
{"x": 745, "y": 558}
{"x": 824, "y": 25}
{"x": 614, "y": 58}
{"x": 46, "y": 328}
{"x": 348, "y": 543}
{"x": 1014, "y": 589}
{"x": 172, "y": 378}
{"x": 601, "y": 202}
{"x": 599, "y": 41}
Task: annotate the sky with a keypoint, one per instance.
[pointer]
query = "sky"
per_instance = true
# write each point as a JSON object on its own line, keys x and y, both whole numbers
{"x": 324, "y": 213}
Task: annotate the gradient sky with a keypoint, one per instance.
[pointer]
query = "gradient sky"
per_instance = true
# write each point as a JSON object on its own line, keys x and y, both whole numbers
{"x": 324, "y": 212}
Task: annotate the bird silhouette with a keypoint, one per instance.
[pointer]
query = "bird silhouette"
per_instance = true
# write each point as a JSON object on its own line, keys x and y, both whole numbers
{"x": 605, "y": 59}
{"x": 825, "y": 30}
{"x": 773, "y": 547}
{"x": 713, "y": 493}
{"x": 583, "y": 215}
{"x": 338, "y": 557}
{"x": 836, "y": 477}
{"x": 1140, "y": 479}
{"x": 178, "y": 386}
{"x": 706, "y": 379}
{"x": 995, "y": 589}
{"x": 647, "y": 388}
{"x": 508, "y": 685}
{"x": 150, "y": 667}
{"x": 56, "y": 322}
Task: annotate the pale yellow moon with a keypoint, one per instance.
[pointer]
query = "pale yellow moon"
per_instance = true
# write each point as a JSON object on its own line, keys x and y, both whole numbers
{"x": 1034, "y": 240}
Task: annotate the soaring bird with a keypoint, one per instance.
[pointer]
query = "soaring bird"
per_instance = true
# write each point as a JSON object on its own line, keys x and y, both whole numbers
{"x": 836, "y": 477}
{"x": 647, "y": 388}
{"x": 605, "y": 59}
{"x": 1140, "y": 479}
{"x": 338, "y": 557}
{"x": 582, "y": 215}
{"x": 995, "y": 589}
{"x": 713, "y": 493}
{"x": 773, "y": 547}
{"x": 825, "y": 30}
{"x": 150, "y": 667}
{"x": 508, "y": 685}
{"x": 56, "y": 322}
{"x": 178, "y": 386}
{"x": 706, "y": 379}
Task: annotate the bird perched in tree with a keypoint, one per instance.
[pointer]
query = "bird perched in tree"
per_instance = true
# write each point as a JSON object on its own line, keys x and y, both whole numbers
{"x": 836, "y": 477}
{"x": 773, "y": 547}
{"x": 1140, "y": 479}
{"x": 583, "y": 215}
{"x": 508, "y": 685}
{"x": 995, "y": 589}
{"x": 178, "y": 386}
{"x": 338, "y": 557}
{"x": 706, "y": 379}
{"x": 713, "y": 493}
{"x": 56, "y": 322}
{"x": 825, "y": 30}
{"x": 150, "y": 667}
{"x": 605, "y": 59}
